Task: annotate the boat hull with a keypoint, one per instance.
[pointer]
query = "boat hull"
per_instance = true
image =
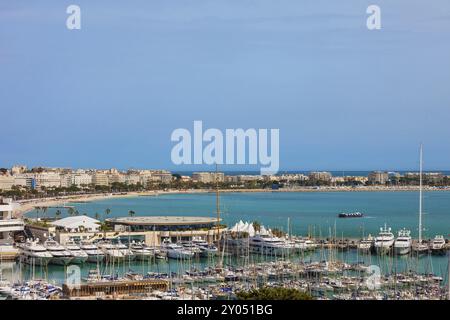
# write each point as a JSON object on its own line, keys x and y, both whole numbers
{"x": 38, "y": 261}
{"x": 94, "y": 258}
{"x": 439, "y": 251}
{"x": 402, "y": 250}
{"x": 62, "y": 261}
{"x": 79, "y": 259}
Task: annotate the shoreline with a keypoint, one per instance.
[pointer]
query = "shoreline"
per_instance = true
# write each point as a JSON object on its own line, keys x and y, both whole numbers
{"x": 30, "y": 204}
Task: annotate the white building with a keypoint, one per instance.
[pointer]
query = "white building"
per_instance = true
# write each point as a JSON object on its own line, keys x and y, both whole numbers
{"x": 6, "y": 182}
{"x": 81, "y": 179}
{"x": 208, "y": 177}
{"x": 77, "y": 224}
{"x": 47, "y": 180}
{"x": 8, "y": 226}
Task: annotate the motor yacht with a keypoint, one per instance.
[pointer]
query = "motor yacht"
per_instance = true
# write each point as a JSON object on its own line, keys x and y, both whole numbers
{"x": 206, "y": 248}
{"x": 366, "y": 244}
{"x": 402, "y": 244}
{"x": 94, "y": 254}
{"x": 111, "y": 251}
{"x": 61, "y": 256}
{"x": 384, "y": 241}
{"x": 268, "y": 245}
{"x": 141, "y": 251}
{"x": 176, "y": 251}
{"x": 127, "y": 252}
{"x": 79, "y": 256}
{"x": 438, "y": 245}
{"x": 31, "y": 252}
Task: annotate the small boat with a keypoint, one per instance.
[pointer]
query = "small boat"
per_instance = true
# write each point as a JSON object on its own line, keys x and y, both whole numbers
{"x": 366, "y": 244}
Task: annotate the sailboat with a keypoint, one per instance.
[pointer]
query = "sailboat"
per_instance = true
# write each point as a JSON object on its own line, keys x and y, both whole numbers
{"x": 419, "y": 247}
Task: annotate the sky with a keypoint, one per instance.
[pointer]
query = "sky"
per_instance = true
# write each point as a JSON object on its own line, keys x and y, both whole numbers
{"x": 110, "y": 95}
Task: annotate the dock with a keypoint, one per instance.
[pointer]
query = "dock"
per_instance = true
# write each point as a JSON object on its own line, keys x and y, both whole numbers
{"x": 105, "y": 288}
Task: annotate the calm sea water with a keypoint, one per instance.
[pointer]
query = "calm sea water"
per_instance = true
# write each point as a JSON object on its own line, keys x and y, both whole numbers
{"x": 313, "y": 211}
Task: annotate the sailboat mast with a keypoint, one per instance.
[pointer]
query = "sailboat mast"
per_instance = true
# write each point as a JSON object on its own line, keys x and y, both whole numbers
{"x": 420, "y": 195}
{"x": 217, "y": 209}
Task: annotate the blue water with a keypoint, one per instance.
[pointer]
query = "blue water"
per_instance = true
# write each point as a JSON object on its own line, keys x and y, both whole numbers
{"x": 313, "y": 211}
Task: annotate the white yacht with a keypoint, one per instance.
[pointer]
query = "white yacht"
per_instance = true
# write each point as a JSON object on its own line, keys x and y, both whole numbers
{"x": 206, "y": 248}
{"x": 141, "y": 251}
{"x": 311, "y": 245}
{"x": 111, "y": 251}
{"x": 189, "y": 245}
{"x": 60, "y": 255}
{"x": 402, "y": 244}
{"x": 366, "y": 244}
{"x": 93, "y": 253}
{"x": 438, "y": 245}
{"x": 384, "y": 241}
{"x": 126, "y": 251}
{"x": 79, "y": 256}
{"x": 31, "y": 252}
{"x": 176, "y": 251}
{"x": 268, "y": 245}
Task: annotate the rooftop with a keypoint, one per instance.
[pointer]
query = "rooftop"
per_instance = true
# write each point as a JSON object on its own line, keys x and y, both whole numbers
{"x": 162, "y": 220}
{"x": 77, "y": 221}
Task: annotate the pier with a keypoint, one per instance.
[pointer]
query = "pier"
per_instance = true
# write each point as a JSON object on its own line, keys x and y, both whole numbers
{"x": 114, "y": 288}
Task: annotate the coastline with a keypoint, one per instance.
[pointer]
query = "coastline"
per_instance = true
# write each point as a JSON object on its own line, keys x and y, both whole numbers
{"x": 29, "y": 204}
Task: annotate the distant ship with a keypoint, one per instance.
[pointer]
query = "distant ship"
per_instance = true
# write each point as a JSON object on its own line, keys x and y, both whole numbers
{"x": 350, "y": 215}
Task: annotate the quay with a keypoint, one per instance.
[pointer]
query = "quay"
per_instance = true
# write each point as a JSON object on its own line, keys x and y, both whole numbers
{"x": 114, "y": 288}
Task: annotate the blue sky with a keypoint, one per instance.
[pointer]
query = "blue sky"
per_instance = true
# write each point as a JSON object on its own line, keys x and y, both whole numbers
{"x": 110, "y": 94}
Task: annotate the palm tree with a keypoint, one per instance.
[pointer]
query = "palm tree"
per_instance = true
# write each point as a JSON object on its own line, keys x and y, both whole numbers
{"x": 71, "y": 211}
{"x": 131, "y": 213}
{"x": 58, "y": 213}
{"x": 97, "y": 216}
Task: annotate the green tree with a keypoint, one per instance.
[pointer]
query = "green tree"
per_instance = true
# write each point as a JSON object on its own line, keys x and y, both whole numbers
{"x": 57, "y": 214}
{"x": 131, "y": 213}
{"x": 273, "y": 293}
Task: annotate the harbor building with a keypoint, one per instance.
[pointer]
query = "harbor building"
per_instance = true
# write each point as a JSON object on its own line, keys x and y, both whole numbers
{"x": 150, "y": 229}
{"x": 155, "y": 229}
{"x": 8, "y": 226}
